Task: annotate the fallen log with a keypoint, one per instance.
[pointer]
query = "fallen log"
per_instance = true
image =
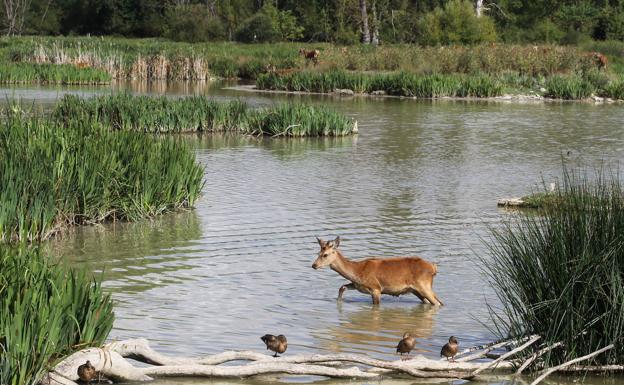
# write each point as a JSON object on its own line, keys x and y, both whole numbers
{"x": 111, "y": 362}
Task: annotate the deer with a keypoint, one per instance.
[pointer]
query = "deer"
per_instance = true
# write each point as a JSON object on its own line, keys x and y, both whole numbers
{"x": 311, "y": 55}
{"x": 377, "y": 276}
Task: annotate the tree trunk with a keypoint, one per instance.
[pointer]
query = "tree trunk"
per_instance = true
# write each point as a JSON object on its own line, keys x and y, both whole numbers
{"x": 375, "y": 34}
{"x": 479, "y": 8}
{"x": 365, "y": 30}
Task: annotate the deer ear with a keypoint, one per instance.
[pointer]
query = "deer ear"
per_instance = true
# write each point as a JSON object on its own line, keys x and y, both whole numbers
{"x": 321, "y": 242}
{"x": 336, "y": 242}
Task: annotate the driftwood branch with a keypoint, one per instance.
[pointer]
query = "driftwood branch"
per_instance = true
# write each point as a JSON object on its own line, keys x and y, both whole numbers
{"x": 537, "y": 355}
{"x": 110, "y": 361}
{"x": 550, "y": 371}
{"x": 494, "y": 363}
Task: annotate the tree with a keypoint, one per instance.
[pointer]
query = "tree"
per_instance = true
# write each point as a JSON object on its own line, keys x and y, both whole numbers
{"x": 364, "y": 28}
{"x": 15, "y": 13}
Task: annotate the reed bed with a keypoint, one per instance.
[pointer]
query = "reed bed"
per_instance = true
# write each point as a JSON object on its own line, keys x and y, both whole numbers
{"x": 569, "y": 87}
{"x": 54, "y": 175}
{"x": 15, "y": 73}
{"x": 559, "y": 272}
{"x": 47, "y": 311}
{"x": 160, "y": 59}
{"x": 398, "y": 84}
{"x": 197, "y": 114}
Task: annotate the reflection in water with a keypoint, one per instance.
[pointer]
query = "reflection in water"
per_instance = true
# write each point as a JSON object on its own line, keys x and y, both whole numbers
{"x": 139, "y": 256}
{"x": 376, "y": 329}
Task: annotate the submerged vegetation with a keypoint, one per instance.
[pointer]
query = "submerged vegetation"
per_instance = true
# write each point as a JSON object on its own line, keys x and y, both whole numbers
{"x": 560, "y": 273}
{"x": 198, "y": 114}
{"x": 47, "y": 311}
{"x": 54, "y": 175}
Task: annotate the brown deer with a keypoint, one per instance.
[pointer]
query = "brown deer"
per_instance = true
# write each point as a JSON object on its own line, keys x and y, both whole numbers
{"x": 598, "y": 59}
{"x": 376, "y": 276}
{"x": 311, "y": 55}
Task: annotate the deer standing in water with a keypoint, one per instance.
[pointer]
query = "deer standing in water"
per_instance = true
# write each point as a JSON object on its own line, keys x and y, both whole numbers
{"x": 376, "y": 276}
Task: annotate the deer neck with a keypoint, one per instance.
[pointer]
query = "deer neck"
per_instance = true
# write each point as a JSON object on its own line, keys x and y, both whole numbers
{"x": 345, "y": 267}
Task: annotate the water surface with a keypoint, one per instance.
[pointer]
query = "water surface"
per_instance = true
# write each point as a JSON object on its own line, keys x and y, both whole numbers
{"x": 421, "y": 178}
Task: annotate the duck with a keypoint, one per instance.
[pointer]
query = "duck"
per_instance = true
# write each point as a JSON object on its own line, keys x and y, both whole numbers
{"x": 86, "y": 372}
{"x": 277, "y": 344}
{"x": 406, "y": 344}
{"x": 449, "y": 350}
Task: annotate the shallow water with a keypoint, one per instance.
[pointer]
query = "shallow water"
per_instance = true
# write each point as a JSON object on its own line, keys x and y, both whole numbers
{"x": 421, "y": 178}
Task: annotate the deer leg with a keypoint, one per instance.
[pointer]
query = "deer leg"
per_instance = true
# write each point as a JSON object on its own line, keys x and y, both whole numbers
{"x": 431, "y": 297}
{"x": 376, "y": 294}
{"x": 343, "y": 288}
{"x": 417, "y": 294}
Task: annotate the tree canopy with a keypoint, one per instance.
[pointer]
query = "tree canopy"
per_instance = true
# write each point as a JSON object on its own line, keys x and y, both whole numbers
{"x": 428, "y": 22}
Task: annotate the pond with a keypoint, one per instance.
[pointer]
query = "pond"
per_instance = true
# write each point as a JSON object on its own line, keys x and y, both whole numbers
{"x": 422, "y": 178}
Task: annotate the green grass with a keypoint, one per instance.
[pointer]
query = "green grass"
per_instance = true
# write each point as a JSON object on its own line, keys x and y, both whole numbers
{"x": 47, "y": 311}
{"x": 198, "y": 114}
{"x": 54, "y": 175}
{"x": 569, "y": 87}
{"x": 161, "y": 59}
{"x": 559, "y": 272}
{"x": 14, "y": 73}
{"x": 398, "y": 84}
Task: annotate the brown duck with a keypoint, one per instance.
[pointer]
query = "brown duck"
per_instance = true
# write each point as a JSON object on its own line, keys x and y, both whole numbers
{"x": 406, "y": 344}
{"x": 277, "y": 344}
{"x": 449, "y": 350}
{"x": 86, "y": 372}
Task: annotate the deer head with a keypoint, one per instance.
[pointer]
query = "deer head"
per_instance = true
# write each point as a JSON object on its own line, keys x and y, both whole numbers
{"x": 328, "y": 253}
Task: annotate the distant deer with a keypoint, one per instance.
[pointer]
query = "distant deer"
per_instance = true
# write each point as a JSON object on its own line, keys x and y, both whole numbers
{"x": 599, "y": 60}
{"x": 376, "y": 276}
{"x": 311, "y": 55}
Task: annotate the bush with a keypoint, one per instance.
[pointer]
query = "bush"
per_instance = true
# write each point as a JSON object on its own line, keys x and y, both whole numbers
{"x": 456, "y": 23}
{"x": 258, "y": 28}
{"x": 193, "y": 23}
{"x": 559, "y": 272}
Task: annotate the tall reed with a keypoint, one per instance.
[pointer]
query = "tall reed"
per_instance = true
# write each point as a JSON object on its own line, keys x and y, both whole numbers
{"x": 198, "y": 114}
{"x": 53, "y": 175}
{"x": 559, "y": 272}
{"x": 47, "y": 311}
{"x": 13, "y": 73}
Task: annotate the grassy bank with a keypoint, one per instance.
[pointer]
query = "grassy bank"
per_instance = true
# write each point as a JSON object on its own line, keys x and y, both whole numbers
{"x": 54, "y": 175}
{"x": 560, "y": 273}
{"x": 160, "y": 59}
{"x": 47, "y": 311}
{"x": 573, "y": 86}
{"x": 15, "y": 73}
{"x": 197, "y": 114}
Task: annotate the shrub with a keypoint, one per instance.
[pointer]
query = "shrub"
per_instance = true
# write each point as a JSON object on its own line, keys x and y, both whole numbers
{"x": 258, "y": 28}
{"x": 193, "y": 23}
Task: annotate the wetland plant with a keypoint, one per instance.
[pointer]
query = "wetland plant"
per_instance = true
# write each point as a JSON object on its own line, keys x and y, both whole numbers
{"x": 15, "y": 73}
{"x": 559, "y": 272}
{"x": 198, "y": 114}
{"x": 54, "y": 175}
{"x": 47, "y": 311}
{"x": 568, "y": 87}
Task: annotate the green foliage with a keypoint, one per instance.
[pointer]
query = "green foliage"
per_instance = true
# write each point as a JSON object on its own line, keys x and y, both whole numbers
{"x": 269, "y": 24}
{"x": 76, "y": 171}
{"x": 456, "y": 23}
{"x": 47, "y": 311}
{"x": 193, "y": 23}
{"x": 49, "y": 73}
{"x": 568, "y": 87}
{"x": 559, "y": 273}
{"x": 125, "y": 112}
{"x": 398, "y": 84}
